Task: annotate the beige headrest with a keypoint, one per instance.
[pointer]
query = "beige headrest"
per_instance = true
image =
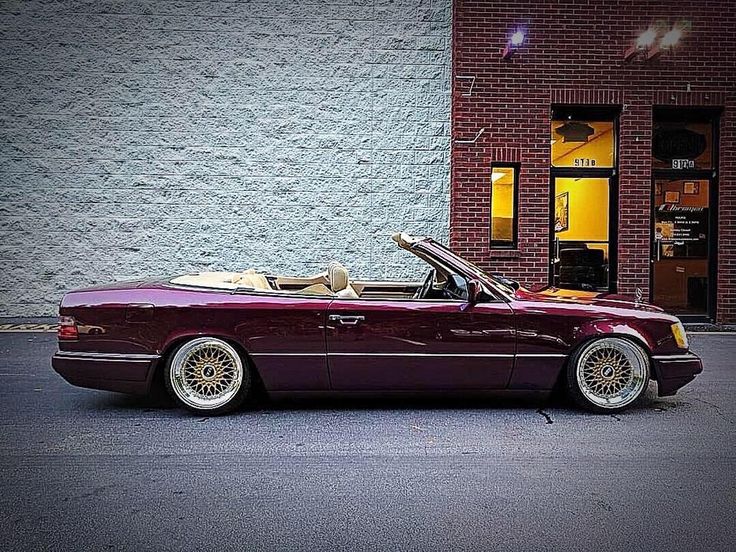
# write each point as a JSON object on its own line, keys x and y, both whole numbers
{"x": 338, "y": 276}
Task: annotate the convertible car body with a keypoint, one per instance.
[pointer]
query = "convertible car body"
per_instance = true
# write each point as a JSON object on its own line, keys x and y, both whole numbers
{"x": 212, "y": 336}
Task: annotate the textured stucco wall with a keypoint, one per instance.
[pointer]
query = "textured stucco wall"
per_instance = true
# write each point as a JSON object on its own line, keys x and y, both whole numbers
{"x": 158, "y": 137}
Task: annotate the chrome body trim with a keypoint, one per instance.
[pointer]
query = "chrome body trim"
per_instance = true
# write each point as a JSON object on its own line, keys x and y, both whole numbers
{"x": 676, "y": 358}
{"x": 391, "y": 354}
{"x": 287, "y": 354}
{"x": 541, "y": 355}
{"x": 106, "y": 357}
{"x": 471, "y": 355}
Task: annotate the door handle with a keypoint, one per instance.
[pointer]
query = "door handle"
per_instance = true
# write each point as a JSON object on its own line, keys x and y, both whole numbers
{"x": 656, "y": 249}
{"x": 346, "y": 320}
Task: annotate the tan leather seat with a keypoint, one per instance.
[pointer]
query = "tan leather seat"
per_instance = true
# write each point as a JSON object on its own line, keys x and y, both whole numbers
{"x": 339, "y": 280}
{"x": 250, "y": 278}
{"x": 316, "y": 289}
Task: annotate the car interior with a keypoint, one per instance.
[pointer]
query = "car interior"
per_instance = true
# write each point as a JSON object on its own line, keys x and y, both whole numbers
{"x": 333, "y": 282}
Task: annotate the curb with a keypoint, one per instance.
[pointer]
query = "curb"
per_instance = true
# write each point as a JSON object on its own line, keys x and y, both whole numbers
{"x": 28, "y": 327}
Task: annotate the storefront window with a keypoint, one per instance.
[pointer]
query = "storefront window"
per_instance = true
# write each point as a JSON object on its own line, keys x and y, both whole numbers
{"x": 583, "y": 144}
{"x": 503, "y": 206}
{"x": 681, "y": 244}
{"x": 581, "y": 232}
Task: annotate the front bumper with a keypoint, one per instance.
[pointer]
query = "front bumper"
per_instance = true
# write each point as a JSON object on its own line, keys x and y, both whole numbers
{"x": 124, "y": 373}
{"x": 675, "y": 371}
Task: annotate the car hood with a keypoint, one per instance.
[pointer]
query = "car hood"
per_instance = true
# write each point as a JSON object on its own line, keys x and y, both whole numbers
{"x": 602, "y": 299}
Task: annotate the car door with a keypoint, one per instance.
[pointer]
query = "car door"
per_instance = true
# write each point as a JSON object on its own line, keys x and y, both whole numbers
{"x": 380, "y": 344}
{"x": 284, "y": 335}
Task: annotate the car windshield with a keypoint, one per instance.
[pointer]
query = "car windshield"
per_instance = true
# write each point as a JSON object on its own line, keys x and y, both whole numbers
{"x": 477, "y": 271}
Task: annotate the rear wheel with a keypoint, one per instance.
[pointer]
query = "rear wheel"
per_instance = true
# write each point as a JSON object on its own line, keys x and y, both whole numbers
{"x": 208, "y": 376}
{"x": 608, "y": 374}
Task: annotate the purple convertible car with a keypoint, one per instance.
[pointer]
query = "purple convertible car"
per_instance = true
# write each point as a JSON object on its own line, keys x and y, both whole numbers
{"x": 213, "y": 337}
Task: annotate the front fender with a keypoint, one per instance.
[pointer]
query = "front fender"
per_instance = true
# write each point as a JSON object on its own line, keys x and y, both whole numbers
{"x": 601, "y": 328}
{"x": 606, "y": 327}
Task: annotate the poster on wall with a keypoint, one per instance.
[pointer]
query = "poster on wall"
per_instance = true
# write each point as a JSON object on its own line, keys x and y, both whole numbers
{"x": 562, "y": 212}
{"x": 671, "y": 197}
{"x": 691, "y": 188}
{"x": 681, "y": 231}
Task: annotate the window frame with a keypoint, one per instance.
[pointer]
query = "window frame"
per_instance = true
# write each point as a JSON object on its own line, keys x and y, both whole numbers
{"x": 703, "y": 115}
{"x": 590, "y": 113}
{"x": 506, "y": 244}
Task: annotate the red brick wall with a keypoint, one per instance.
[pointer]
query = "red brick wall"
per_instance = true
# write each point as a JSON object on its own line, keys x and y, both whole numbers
{"x": 573, "y": 54}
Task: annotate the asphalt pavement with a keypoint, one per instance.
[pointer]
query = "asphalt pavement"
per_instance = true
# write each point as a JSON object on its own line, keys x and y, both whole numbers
{"x": 91, "y": 470}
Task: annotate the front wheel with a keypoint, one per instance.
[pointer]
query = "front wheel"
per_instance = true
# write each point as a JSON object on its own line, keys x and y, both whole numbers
{"x": 207, "y": 375}
{"x": 608, "y": 374}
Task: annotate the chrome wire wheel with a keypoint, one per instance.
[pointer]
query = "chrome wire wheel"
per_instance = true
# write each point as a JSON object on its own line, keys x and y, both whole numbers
{"x": 612, "y": 372}
{"x": 206, "y": 373}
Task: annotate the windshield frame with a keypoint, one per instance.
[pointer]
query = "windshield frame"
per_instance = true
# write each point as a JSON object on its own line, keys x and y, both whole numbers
{"x": 466, "y": 267}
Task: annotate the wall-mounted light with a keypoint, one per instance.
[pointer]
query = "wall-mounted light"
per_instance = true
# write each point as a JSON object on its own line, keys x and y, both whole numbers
{"x": 646, "y": 39}
{"x": 646, "y": 45}
{"x": 643, "y": 44}
{"x": 516, "y": 40}
{"x": 671, "y": 38}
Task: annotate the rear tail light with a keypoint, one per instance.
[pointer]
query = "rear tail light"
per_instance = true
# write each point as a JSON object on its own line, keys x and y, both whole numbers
{"x": 67, "y": 328}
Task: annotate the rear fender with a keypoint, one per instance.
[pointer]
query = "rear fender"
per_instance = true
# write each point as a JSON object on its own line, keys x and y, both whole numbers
{"x": 176, "y": 339}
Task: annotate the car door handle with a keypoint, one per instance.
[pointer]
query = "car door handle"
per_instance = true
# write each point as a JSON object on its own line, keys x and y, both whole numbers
{"x": 346, "y": 320}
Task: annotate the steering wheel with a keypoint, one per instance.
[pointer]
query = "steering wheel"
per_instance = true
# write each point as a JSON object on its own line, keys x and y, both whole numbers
{"x": 423, "y": 291}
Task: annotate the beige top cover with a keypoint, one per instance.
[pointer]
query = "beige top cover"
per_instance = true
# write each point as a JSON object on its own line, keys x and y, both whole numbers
{"x": 225, "y": 280}
{"x": 337, "y": 278}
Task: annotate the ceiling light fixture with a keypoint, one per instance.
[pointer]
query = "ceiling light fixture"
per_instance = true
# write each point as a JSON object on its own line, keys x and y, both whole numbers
{"x": 496, "y": 175}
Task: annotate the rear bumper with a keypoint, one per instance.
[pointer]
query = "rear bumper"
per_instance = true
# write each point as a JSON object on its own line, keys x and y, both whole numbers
{"x": 124, "y": 373}
{"x": 675, "y": 371}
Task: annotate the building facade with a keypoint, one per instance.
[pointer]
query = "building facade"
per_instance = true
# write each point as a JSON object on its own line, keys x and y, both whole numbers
{"x": 594, "y": 147}
{"x": 584, "y": 144}
{"x": 160, "y": 137}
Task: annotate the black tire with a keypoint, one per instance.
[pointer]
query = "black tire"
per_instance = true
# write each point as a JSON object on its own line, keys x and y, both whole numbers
{"x": 207, "y": 376}
{"x": 600, "y": 366}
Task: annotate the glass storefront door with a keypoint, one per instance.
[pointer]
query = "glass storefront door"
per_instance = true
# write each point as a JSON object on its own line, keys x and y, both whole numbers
{"x": 681, "y": 245}
{"x": 684, "y": 211}
{"x": 581, "y": 217}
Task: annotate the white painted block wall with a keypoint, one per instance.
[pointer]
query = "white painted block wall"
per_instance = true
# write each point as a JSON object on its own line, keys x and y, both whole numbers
{"x": 142, "y": 137}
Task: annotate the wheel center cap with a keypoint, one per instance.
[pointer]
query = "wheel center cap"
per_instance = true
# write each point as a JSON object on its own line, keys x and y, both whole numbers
{"x": 208, "y": 372}
{"x": 607, "y": 372}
